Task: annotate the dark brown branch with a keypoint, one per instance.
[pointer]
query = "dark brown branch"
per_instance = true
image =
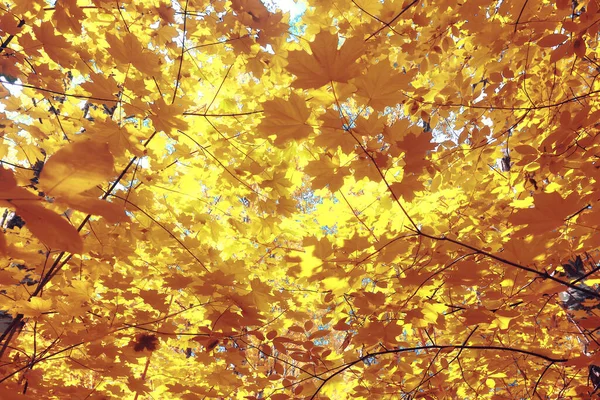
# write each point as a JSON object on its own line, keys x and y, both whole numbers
{"x": 165, "y": 229}
{"x": 59, "y": 263}
{"x": 349, "y": 365}
{"x": 586, "y": 207}
{"x": 540, "y": 379}
{"x": 518, "y": 18}
{"x": 223, "y": 115}
{"x": 6, "y": 42}
{"x": 514, "y": 108}
{"x": 393, "y": 19}
{"x": 375, "y": 17}
{"x": 543, "y": 275}
{"x": 216, "y": 43}
{"x": 76, "y": 96}
{"x": 177, "y": 81}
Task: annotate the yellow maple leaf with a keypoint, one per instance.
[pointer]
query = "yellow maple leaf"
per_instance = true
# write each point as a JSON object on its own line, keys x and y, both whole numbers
{"x": 54, "y": 45}
{"x": 77, "y": 167}
{"x": 129, "y": 50}
{"x": 326, "y": 63}
{"x": 383, "y": 85}
{"x": 113, "y": 212}
{"x": 35, "y": 307}
{"x": 74, "y": 169}
{"x": 49, "y": 227}
{"x": 167, "y": 117}
{"x": 286, "y": 119}
{"x": 52, "y": 229}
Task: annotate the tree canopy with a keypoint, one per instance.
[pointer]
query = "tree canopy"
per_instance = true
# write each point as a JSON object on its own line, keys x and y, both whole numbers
{"x": 389, "y": 199}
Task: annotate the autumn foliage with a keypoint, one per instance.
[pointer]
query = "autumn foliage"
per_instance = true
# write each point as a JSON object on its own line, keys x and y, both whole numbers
{"x": 362, "y": 199}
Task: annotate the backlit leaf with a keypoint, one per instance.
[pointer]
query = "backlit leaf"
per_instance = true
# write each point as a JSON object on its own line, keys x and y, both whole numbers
{"x": 299, "y": 199}
{"x": 77, "y": 167}
{"x": 552, "y": 40}
{"x": 325, "y": 63}
{"x": 52, "y": 229}
{"x": 286, "y": 119}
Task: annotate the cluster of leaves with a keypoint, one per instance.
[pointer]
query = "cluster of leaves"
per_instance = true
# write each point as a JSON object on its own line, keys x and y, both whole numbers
{"x": 206, "y": 199}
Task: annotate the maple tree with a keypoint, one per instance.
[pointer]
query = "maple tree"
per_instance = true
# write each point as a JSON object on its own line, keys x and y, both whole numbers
{"x": 215, "y": 199}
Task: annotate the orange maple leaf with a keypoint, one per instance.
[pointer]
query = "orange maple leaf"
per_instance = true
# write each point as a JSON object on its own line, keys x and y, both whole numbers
{"x": 416, "y": 146}
{"x": 548, "y": 214}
